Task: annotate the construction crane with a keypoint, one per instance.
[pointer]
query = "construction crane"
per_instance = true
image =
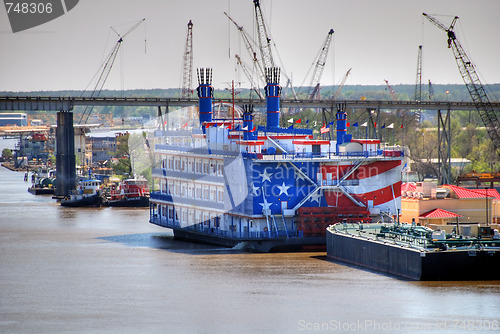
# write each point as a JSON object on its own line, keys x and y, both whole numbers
{"x": 107, "y": 65}
{"x": 418, "y": 84}
{"x": 472, "y": 82}
{"x": 249, "y": 43}
{"x": 319, "y": 65}
{"x": 187, "y": 68}
{"x": 342, "y": 83}
{"x": 431, "y": 91}
{"x": 247, "y": 72}
{"x": 264, "y": 40}
{"x": 265, "y": 46}
{"x": 391, "y": 91}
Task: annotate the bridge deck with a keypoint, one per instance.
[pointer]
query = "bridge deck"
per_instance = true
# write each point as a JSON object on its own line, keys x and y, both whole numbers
{"x": 68, "y": 103}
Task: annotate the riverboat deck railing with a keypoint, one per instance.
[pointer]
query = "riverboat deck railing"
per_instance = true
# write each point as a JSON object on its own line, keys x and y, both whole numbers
{"x": 392, "y": 153}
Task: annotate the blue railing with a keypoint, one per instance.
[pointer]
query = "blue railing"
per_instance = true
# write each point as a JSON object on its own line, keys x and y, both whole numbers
{"x": 214, "y": 231}
{"x": 156, "y": 195}
{"x": 312, "y": 155}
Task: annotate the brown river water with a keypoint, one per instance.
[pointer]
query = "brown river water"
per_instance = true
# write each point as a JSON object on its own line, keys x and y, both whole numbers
{"x": 107, "y": 270}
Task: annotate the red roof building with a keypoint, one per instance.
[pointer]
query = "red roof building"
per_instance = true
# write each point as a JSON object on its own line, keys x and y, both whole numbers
{"x": 428, "y": 204}
{"x": 408, "y": 186}
{"x": 462, "y": 193}
{"x": 438, "y": 217}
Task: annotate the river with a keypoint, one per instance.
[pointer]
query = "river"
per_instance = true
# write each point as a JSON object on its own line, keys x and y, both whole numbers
{"x": 107, "y": 270}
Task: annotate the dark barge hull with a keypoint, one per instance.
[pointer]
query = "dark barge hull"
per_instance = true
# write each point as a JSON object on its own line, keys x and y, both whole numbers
{"x": 256, "y": 245}
{"x": 409, "y": 263}
{"x": 133, "y": 202}
{"x": 41, "y": 191}
{"x": 94, "y": 200}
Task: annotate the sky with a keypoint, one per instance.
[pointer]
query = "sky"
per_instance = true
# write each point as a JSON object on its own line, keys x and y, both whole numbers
{"x": 378, "y": 39}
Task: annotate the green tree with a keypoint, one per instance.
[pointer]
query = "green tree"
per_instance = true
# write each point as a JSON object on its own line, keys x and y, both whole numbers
{"x": 7, "y": 153}
{"x": 122, "y": 167}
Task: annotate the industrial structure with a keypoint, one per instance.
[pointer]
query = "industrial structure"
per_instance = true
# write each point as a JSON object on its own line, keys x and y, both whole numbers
{"x": 187, "y": 66}
{"x": 472, "y": 82}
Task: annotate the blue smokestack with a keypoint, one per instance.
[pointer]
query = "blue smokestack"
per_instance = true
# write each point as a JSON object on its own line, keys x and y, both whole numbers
{"x": 248, "y": 134}
{"x": 205, "y": 94}
{"x": 342, "y": 136}
{"x": 273, "y": 92}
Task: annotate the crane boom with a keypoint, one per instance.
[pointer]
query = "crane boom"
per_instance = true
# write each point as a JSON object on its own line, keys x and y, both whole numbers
{"x": 264, "y": 40}
{"x": 249, "y": 43}
{"x": 431, "y": 91}
{"x": 472, "y": 82}
{"x": 249, "y": 76}
{"x": 187, "y": 69}
{"x": 108, "y": 64}
{"x": 418, "y": 83}
{"x": 319, "y": 66}
{"x": 391, "y": 91}
{"x": 342, "y": 83}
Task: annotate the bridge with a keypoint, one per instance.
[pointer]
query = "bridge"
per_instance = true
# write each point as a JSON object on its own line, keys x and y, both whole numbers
{"x": 52, "y": 103}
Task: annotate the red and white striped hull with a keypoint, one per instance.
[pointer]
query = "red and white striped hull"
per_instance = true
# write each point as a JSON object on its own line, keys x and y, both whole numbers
{"x": 375, "y": 184}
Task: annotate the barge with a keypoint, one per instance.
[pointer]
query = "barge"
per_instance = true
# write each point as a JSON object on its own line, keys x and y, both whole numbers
{"x": 415, "y": 252}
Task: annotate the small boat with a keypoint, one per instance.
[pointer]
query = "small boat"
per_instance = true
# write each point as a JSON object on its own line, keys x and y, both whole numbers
{"x": 42, "y": 186}
{"x": 43, "y": 182}
{"x": 87, "y": 193}
{"x": 130, "y": 193}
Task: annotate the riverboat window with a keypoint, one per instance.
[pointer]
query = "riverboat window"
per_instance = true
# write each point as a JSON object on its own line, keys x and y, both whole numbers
{"x": 220, "y": 168}
{"x": 198, "y": 167}
{"x": 212, "y": 195}
{"x": 191, "y": 164}
{"x": 183, "y": 165}
{"x": 177, "y": 189}
{"x": 212, "y": 168}
{"x": 205, "y": 193}
{"x": 205, "y": 168}
{"x": 198, "y": 192}
{"x": 220, "y": 196}
{"x": 170, "y": 213}
{"x": 354, "y": 182}
{"x": 183, "y": 191}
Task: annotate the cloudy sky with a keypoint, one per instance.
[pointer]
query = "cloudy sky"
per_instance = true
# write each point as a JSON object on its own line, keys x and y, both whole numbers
{"x": 377, "y": 39}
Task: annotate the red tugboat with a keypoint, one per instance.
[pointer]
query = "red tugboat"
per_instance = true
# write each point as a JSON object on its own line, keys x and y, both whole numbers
{"x": 130, "y": 193}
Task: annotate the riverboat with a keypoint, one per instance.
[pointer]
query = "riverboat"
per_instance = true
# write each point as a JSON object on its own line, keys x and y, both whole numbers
{"x": 267, "y": 188}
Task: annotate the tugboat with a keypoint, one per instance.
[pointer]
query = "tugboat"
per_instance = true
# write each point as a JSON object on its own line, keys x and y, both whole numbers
{"x": 130, "y": 193}
{"x": 87, "y": 193}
